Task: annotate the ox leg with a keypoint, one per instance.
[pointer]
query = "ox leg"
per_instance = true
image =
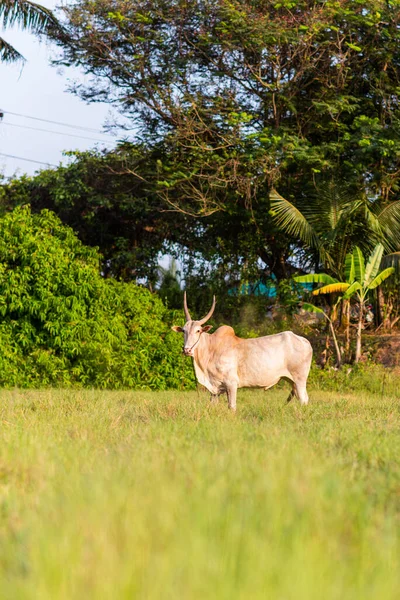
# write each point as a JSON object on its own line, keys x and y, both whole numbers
{"x": 300, "y": 391}
{"x": 214, "y": 398}
{"x": 231, "y": 391}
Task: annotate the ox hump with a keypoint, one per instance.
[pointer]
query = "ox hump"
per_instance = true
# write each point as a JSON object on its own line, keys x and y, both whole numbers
{"x": 224, "y": 331}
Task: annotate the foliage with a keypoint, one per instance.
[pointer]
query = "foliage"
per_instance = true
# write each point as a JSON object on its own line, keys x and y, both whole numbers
{"x": 63, "y": 324}
{"x": 316, "y": 309}
{"x": 332, "y": 220}
{"x": 228, "y": 100}
{"x": 107, "y": 206}
{"x": 360, "y": 280}
{"x": 248, "y": 91}
{"x": 26, "y": 15}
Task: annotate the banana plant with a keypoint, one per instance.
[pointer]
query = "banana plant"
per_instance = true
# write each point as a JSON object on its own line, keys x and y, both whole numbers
{"x": 331, "y": 286}
{"x": 365, "y": 279}
{"x": 317, "y": 309}
{"x": 360, "y": 280}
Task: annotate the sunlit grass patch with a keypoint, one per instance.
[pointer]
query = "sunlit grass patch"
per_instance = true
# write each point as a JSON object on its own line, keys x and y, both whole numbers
{"x": 164, "y": 495}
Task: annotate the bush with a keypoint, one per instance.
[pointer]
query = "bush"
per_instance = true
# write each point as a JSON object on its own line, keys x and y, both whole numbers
{"x": 62, "y": 323}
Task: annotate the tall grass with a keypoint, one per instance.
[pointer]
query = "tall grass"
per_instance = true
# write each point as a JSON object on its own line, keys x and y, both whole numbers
{"x": 162, "y": 495}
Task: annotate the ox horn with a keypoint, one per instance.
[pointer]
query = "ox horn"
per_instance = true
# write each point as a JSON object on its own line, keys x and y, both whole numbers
{"x": 209, "y": 314}
{"x": 185, "y": 308}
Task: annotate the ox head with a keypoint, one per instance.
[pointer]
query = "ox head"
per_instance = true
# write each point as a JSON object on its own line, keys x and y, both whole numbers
{"x": 192, "y": 330}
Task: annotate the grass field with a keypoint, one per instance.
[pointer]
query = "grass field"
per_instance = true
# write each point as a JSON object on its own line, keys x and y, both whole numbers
{"x": 164, "y": 496}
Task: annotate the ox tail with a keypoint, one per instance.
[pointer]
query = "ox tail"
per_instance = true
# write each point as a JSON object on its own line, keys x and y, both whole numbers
{"x": 289, "y": 398}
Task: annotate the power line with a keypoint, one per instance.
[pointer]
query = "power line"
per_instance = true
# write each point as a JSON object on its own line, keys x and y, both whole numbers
{"x": 38, "y": 162}
{"x": 56, "y": 132}
{"x": 81, "y": 127}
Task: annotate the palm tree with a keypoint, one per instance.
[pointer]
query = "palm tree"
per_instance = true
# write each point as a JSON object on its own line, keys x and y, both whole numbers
{"x": 360, "y": 280}
{"x": 26, "y": 15}
{"x": 334, "y": 220}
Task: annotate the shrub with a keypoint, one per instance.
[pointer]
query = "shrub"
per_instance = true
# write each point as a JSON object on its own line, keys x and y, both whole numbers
{"x": 62, "y": 323}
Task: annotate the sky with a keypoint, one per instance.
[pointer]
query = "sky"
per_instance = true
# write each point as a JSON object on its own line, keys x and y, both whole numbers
{"x": 37, "y": 89}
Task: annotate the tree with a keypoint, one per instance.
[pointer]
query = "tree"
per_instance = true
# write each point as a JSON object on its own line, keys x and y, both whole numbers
{"x": 112, "y": 201}
{"x": 332, "y": 220}
{"x": 249, "y": 92}
{"x": 360, "y": 280}
{"x": 109, "y": 206}
{"x": 27, "y": 15}
{"x": 242, "y": 96}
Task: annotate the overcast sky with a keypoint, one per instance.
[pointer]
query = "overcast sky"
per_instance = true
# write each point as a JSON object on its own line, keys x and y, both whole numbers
{"x": 39, "y": 90}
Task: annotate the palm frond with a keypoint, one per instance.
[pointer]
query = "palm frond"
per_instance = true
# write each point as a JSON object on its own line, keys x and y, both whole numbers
{"x": 325, "y": 208}
{"x": 372, "y": 219}
{"x": 333, "y": 288}
{"x": 389, "y": 218}
{"x": 8, "y": 53}
{"x": 381, "y": 278}
{"x": 27, "y": 15}
{"x": 291, "y": 220}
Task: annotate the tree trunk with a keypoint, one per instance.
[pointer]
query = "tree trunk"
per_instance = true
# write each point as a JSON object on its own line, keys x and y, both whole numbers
{"x": 380, "y": 307}
{"x": 359, "y": 331}
{"x": 346, "y": 323}
{"x": 337, "y": 349}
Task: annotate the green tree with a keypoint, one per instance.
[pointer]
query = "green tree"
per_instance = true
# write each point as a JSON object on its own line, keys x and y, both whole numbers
{"x": 249, "y": 91}
{"x": 111, "y": 199}
{"x": 26, "y": 15}
{"x": 242, "y": 96}
{"x": 108, "y": 205}
{"x": 332, "y": 220}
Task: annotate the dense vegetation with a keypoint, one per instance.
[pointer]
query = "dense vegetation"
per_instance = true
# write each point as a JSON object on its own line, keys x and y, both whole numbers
{"x": 232, "y": 98}
{"x": 262, "y": 143}
{"x": 62, "y": 323}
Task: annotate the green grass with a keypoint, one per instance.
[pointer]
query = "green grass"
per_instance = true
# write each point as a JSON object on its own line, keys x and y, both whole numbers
{"x": 164, "y": 496}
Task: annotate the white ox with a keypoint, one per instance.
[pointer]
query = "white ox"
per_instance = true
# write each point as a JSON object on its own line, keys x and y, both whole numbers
{"x": 224, "y": 362}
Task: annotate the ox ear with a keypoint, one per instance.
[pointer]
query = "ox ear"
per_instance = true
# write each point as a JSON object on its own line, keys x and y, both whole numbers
{"x": 206, "y": 328}
{"x": 177, "y": 329}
